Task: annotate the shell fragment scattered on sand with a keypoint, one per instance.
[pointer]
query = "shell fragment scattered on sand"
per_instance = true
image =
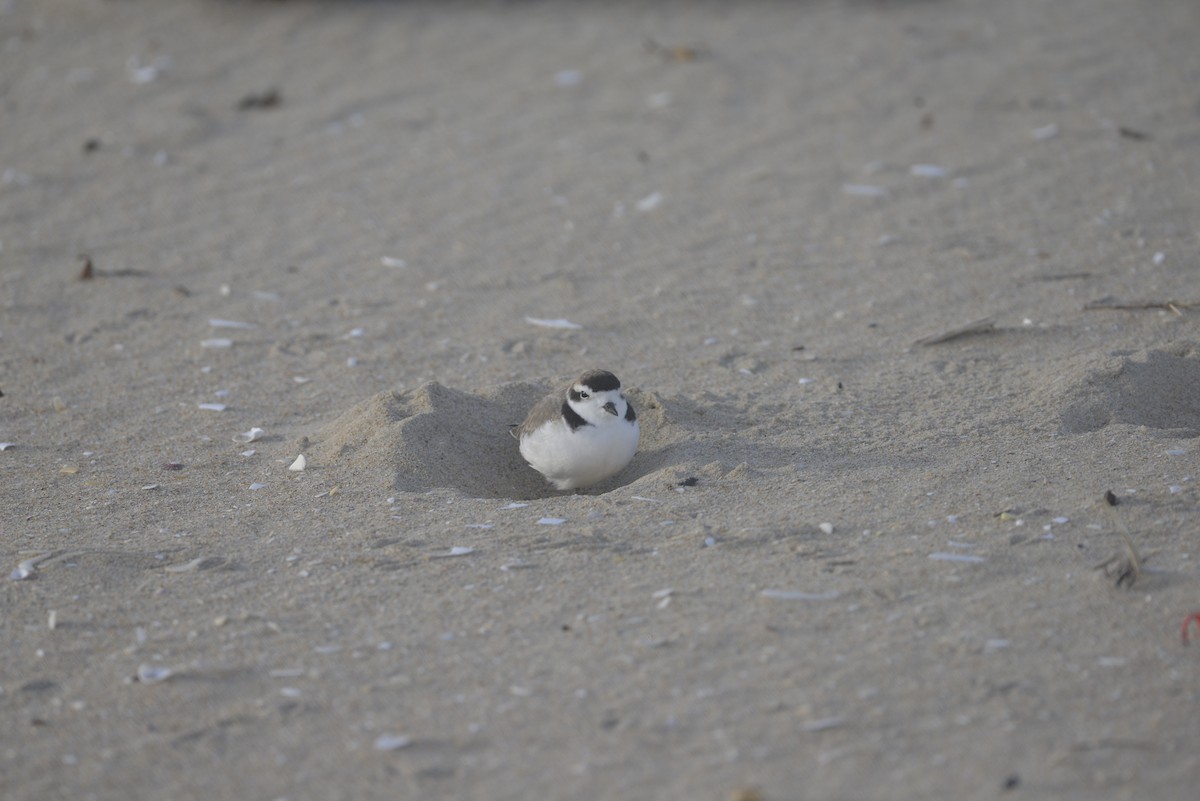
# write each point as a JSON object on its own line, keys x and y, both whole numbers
{"x": 152, "y": 674}
{"x": 544, "y": 322}
{"x": 824, "y": 724}
{"x": 216, "y": 342}
{"x": 552, "y": 521}
{"x": 217, "y": 322}
{"x": 1045, "y": 132}
{"x": 212, "y": 407}
{"x": 298, "y": 465}
{"x": 257, "y": 486}
{"x": 650, "y": 202}
{"x": 388, "y": 261}
{"x": 928, "y": 171}
{"x": 27, "y": 568}
{"x": 392, "y": 742}
{"x": 514, "y": 505}
{"x": 942, "y": 556}
{"x": 568, "y": 77}
{"x": 6, "y": 445}
{"x": 799, "y": 595}
{"x": 199, "y": 563}
{"x": 253, "y": 435}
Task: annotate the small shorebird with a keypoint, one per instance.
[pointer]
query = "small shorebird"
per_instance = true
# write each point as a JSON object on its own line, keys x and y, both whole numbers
{"x": 581, "y": 435}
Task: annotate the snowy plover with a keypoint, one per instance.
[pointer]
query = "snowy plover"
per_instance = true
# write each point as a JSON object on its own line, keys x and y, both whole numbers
{"x": 581, "y": 435}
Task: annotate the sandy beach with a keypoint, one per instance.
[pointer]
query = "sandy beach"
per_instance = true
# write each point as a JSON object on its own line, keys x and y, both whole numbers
{"x": 902, "y": 291}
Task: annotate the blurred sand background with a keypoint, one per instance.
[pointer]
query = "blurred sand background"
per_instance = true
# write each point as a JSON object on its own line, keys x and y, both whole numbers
{"x": 845, "y": 564}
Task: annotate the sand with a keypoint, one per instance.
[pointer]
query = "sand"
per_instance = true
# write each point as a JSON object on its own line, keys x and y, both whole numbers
{"x": 843, "y": 565}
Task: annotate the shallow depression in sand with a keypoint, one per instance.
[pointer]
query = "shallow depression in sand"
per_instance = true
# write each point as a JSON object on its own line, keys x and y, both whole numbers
{"x": 1157, "y": 389}
{"x": 436, "y": 437}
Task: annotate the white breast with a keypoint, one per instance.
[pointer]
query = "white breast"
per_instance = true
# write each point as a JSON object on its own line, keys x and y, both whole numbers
{"x": 591, "y": 453}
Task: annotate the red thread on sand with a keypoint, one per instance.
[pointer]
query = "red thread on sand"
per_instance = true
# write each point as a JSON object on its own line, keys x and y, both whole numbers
{"x": 1187, "y": 624}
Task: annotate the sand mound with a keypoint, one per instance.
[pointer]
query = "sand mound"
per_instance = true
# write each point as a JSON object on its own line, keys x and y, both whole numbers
{"x": 435, "y": 437}
{"x": 1156, "y": 388}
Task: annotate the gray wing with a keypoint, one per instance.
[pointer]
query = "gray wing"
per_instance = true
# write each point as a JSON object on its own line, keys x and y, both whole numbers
{"x": 547, "y": 408}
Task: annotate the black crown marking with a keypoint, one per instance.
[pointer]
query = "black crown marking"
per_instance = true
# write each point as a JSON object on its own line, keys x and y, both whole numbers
{"x": 599, "y": 380}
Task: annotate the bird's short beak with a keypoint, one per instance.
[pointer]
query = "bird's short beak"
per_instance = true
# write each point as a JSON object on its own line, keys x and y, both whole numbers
{"x": 610, "y": 407}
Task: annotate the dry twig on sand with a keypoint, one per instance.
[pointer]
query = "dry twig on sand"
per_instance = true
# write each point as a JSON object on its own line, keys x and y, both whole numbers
{"x": 983, "y": 326}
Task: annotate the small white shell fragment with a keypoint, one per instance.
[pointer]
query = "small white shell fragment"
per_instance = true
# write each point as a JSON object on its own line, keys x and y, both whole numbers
{"x": 152, "y": 674}
{"x": 1045, "y": 132}
{"x": 1159, "y": 257}
{"x": 798, "y": 595}
{"x": 479, "y": 525}
{"x": 826, "y": 528}
{"x": 27, "y": 568}
{"x": 211, "y": 407}
{"x": 299, "y": 464}
{"x": 514, "y": 505}
{"x": 257, "y": 486}
{"x": 559, "y": 322}
{"x": 663, "y": 593}
{"x": 388, "y": 261}
{"x": 864, "y": 190}
{"x": 52, "y": 620}
{"x": 216, "y": 342}
{"x": 650, "y": 202}
{"x": 460, "y": 550}
{"x": 941, "y": 556}
{"x": 290, "y": 692}
{"x": 140, "y": 74}
{"x": 249, "y": 453}
{"x": 149, "y": 486}
{"x": 392, "y": 742}
{"x": 217, "y": 322}
{"x": 568, "y": 77}
{"x": 803, "y": 381}
{"x": 188, "y": 567}
{"x": 928, "y": 171}
{"x": 647, "y": 500}
{"x": 6, "y": 445}
{"x": 552, "y": 521}
{"x": 253, "y": 435}
{"x": 1061, "y": 520}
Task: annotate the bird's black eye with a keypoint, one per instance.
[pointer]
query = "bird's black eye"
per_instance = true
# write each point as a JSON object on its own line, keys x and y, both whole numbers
{"x": 584, "y": 395}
